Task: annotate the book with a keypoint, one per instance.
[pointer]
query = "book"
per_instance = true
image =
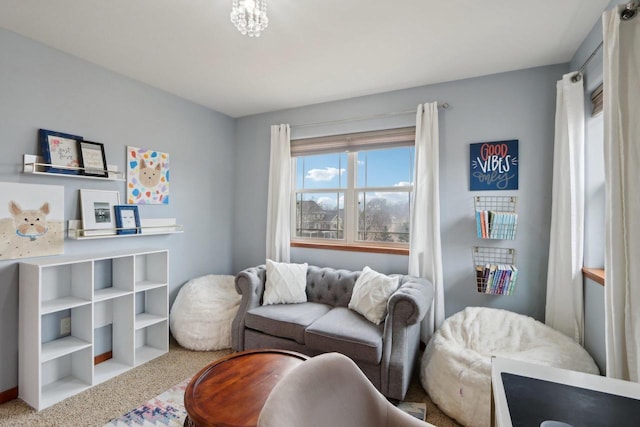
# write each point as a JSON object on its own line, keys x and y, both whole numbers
{"x": 492, "y": 272}
{"x": 495, "y": 225}
{"x": 480, "y": 282}
{"x": 512, "y": 282}
{"x": 483, "y": 224}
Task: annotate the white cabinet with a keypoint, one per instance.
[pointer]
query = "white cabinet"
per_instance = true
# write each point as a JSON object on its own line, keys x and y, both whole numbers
{"x": 77, "y": 310}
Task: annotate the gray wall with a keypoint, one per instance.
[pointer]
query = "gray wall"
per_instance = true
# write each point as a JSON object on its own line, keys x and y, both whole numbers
{"x": 518, "y": 104}
{"x": 44, "y": 88}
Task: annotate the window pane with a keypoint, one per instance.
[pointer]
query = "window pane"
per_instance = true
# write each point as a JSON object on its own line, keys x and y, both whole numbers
{"x": 321, "y": 171}
{"x": 383, "y": 216}
{"x": 392, "y": 167}
{"x": 320, "y": 215}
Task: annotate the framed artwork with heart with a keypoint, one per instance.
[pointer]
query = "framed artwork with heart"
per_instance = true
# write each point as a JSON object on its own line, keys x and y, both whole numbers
{"x": 147, "y": 177}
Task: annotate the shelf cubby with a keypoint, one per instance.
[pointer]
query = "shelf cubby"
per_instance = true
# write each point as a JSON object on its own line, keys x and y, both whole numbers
{"x": 151, "y": 342}
{"x": 151, "y": 306}
{"x": 149, "y": 273}
{"x": 65, "y": 376}
{"x": 115, "y": 314}
{"x": 66, "y": 286}
{"x": 113, "y": 278}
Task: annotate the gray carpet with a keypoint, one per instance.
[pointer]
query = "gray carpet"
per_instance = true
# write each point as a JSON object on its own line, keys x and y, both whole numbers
{"x": 111, "y": 399}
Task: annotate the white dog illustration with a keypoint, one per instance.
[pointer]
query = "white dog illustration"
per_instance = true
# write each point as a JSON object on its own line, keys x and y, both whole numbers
{"x": 29, "y": 223}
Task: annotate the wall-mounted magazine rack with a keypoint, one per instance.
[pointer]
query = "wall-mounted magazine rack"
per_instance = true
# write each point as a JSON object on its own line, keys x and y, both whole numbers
{"x": 495, "y": 270}
{"x": 496, "y": 217}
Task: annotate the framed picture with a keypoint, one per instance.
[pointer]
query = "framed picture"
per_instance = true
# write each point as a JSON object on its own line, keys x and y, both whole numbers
{"x": 92, "y": 159}
{"x": 31, "y": 221}
{"x": 96, "y": 209}
{"x": 127, "y": 219}
{"x": 60, "y": 149}
{"x": 493, "y": 165}
{"x": 147, "y": 177}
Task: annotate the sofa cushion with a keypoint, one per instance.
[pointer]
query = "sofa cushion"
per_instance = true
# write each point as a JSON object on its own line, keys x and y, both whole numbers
{"x": 285, "y": 320}
{"x": 370, "y": 294}
{"x": 286, "y": 283}
{"x": 345, "y": 331}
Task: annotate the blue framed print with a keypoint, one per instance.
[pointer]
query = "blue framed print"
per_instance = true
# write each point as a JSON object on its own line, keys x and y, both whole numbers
{"x": 493, "y": 165}
{"x": 60, "y": 152}
{"x": 127, "y": 219}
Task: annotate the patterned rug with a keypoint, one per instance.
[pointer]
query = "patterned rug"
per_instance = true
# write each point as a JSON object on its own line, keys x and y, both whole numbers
{"x": 167, "y": 409}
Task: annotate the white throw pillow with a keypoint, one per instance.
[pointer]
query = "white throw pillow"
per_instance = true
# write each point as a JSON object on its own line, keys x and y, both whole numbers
{"x": 286, "y": 283}
{"x": 370, "y": 294}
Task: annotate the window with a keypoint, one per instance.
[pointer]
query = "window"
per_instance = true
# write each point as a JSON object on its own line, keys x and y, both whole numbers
{"x": 354, "y": 190}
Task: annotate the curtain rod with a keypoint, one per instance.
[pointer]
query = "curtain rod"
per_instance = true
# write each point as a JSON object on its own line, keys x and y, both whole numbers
{"x": 628, "y": 13}
{"x": 443, "y": 105}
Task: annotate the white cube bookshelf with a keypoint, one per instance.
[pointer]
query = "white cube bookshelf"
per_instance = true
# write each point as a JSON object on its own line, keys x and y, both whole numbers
{"x": 127, "y": 292}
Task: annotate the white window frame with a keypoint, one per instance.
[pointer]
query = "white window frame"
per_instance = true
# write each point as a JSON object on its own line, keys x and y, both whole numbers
{"x": 377, "y": 140}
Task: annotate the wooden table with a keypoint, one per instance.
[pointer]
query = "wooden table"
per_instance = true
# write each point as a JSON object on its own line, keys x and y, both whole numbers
{"x": 231, "y": 391}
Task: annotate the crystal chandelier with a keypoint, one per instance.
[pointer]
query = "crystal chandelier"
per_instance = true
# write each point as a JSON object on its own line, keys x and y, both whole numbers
{"x": 250, "y": 16}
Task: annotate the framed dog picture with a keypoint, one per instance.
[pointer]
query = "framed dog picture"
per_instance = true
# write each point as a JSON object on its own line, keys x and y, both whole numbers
{"x": 31, "y": 220}
{"x": 96, "y": 209}
{"x": 60, "y": 152}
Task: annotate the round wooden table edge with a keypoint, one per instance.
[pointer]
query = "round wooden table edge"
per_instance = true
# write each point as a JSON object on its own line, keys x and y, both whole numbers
{"x": 188, "y": 393}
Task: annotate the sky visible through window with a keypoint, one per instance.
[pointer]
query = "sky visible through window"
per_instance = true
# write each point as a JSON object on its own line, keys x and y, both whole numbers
{"x": 376, "y": 168}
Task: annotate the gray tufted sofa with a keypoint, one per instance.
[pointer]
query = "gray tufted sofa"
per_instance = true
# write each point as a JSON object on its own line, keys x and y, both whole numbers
{"x": 386, "y": 353}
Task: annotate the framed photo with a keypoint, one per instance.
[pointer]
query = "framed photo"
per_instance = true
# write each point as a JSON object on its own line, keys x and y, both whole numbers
{"x": 92, "y": 159}
{"x": 127, "y": 219}
{"x": 60, "y": 149}
{"x": 96, "y": 209}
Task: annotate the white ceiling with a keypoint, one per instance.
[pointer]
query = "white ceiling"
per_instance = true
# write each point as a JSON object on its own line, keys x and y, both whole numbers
{"x": 312, "y": 51}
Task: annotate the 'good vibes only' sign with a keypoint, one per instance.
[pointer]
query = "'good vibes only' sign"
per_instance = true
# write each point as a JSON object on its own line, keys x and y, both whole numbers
{"x": 493, "y": 166}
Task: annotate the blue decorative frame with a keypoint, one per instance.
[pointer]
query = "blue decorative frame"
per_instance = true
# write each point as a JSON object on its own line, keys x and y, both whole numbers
{"x": 43, "y": 136}
{"x": 118, "y": 212}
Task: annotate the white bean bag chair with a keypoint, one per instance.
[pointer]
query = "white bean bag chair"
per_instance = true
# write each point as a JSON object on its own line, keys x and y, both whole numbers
{"x": 203, "y": 311}
{"x": 456, "y": 365}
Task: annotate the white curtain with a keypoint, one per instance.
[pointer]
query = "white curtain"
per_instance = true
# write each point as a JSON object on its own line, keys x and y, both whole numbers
{"x": 565, "y": 304}
{"x": 425, "y": 253}
{"x": 279, "y": 196}
{"x": 621, "y": 94}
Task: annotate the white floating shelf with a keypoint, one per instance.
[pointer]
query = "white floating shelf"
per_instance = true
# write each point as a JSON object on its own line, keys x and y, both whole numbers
{"x": 33, "y": 164}
{"x": 148, "y": 227}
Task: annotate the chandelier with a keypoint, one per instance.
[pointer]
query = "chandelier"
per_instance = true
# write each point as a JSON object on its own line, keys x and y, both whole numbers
{"x": 250, "y": 16}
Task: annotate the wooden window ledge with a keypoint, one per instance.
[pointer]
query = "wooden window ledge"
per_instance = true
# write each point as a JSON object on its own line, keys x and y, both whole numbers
{"x": 595, "y": 274}
{"x": 352, "y": 248}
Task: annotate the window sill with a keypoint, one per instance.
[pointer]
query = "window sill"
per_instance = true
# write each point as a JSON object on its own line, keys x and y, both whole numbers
{"x": 595, "y": 274}
{"x": 352, "y": 248}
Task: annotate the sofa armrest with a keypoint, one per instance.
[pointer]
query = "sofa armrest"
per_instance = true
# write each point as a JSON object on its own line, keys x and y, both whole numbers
{"x": 250, "y": 285}
{"x": 407, "y": 306}
{"x": 411, "y": 301}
